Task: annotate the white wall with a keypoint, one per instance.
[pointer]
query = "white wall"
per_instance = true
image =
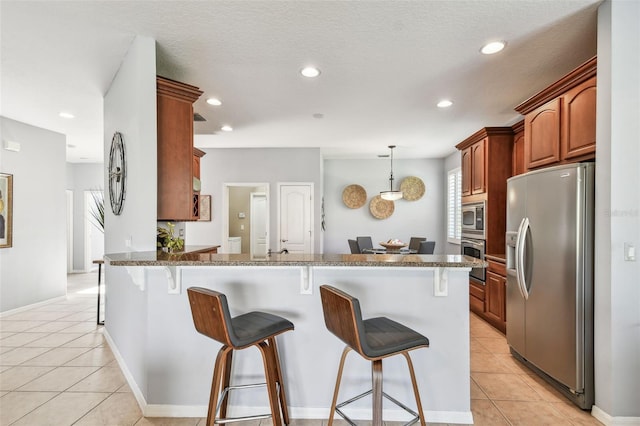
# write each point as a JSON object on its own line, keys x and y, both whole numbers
{"x": 34, "y": 269}
{"x": 130, "y": 108}
{"x": 82, "y": 177}
{"x": 617, "y": 283}
{"x": 269, "y": 165}
{"x": 421, "y": 218}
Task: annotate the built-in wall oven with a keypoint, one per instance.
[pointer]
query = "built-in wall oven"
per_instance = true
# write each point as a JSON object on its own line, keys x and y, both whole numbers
{"x": 474, "y": 248}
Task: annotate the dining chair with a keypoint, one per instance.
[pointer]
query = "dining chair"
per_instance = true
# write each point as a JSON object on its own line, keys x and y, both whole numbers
{"x": 353, "y": 245}
{"x": 426, "y": 247}
{"x": 414, "y": 243}
{"x": 365, "y": 244}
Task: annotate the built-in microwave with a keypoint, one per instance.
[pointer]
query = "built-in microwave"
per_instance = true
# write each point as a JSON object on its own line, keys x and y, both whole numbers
{"x": 473, "y": 220}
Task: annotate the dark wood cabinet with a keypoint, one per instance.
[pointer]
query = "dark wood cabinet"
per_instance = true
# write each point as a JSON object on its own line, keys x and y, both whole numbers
{"x": 476, "y": 298}
{"x": 579, "y": 121}
{"x": 466, "y": 171}
{"x": 495, "y": 295}
{"x": 517, "y": 160}
{"x": 486, "y": 165}
{"x": 473, "y": 169}
{"x": 542, "y": 135}
{"x": 478, "y": 167}
{"x": 177, "y": 200}
{"x": 560, "y": 121}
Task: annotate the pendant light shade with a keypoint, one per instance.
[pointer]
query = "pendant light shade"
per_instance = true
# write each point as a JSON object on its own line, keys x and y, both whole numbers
{"x": 391, "y": 195}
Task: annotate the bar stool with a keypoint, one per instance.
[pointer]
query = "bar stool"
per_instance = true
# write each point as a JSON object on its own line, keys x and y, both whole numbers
{"x": 374, "y": 339}
{"x": 211, "y": 317}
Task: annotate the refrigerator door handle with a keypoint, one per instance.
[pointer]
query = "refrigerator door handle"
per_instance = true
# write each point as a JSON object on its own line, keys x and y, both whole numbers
{"x": 520, "y": 245}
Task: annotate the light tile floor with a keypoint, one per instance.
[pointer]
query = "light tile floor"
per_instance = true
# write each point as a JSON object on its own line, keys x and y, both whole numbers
{"x": 56, "y": 369}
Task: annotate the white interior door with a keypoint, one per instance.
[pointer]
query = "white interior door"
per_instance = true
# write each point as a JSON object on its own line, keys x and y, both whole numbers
{"x": 296, "y": 217}
{"x": 259, "y": 231}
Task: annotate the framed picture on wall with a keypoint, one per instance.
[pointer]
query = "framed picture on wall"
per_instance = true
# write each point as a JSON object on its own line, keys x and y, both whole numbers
{"x": 205, "y": 208}
{"x": 6, "y": 211}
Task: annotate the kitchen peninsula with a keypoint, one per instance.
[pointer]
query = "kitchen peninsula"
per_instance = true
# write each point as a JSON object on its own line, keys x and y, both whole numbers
{"x": 169, "y": 365}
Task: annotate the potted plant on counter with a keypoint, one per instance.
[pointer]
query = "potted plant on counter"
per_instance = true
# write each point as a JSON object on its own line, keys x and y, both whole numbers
{"x": 167, "y": 241}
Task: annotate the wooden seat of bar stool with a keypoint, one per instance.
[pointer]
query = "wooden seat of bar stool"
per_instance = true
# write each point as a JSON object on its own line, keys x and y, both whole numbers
{"x": 374, "y": 339}
{"x": 212, "y": 318}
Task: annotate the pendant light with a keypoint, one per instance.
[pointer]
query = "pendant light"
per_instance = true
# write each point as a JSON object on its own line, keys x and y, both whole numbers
{"x": 391, "y": 195}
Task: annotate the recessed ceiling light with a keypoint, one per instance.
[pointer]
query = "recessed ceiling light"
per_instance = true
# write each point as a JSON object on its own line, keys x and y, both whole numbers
{"x": 445, "y": 103}
{"x": 310, "y": 72}
{"x": 66, "y": 115}
{"x": 493, "y": 47}
{"x": 226, "y": 128}
{"x": 214, "y": 101}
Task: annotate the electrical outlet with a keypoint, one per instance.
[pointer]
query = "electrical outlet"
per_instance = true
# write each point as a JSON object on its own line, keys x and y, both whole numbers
{"x": 181, "y": 233}
{"x": 629, "y": 252}
{"x": 127, "y": 242}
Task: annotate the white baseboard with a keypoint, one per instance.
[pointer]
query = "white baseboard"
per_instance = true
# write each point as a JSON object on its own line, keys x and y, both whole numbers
{"x": 609, "y": 420}
{"x": 31, "y": 306}
{"x": 165, "y": 410}
{"x": 137, "y": 393}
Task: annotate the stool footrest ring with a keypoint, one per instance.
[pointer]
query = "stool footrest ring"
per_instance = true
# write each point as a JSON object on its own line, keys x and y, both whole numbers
{"x": 415, "y": 419}
{"x": 227, "y": 390}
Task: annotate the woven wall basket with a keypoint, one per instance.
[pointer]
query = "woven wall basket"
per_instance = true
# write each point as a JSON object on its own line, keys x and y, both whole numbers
{"x": 354, "y": 196}
{"x": 381, "y": 209}
{"x": 412, "y": 188}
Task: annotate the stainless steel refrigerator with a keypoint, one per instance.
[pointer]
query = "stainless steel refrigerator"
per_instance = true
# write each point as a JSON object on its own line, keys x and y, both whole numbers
{"x": 549, "y": 248}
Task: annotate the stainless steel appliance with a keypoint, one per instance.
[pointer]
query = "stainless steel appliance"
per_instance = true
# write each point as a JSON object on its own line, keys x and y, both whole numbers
{"x": 474, "y": 248}
{"x": 549, "y": 248}
{"x": 473, "y": 220}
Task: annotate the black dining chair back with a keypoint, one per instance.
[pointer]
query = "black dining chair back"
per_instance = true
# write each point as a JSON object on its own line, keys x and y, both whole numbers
{"x": 365, "y": 243}
{"x": 414, "y": 243}
{"x": 353, "y": 245}
{"x": 427, "y": 247}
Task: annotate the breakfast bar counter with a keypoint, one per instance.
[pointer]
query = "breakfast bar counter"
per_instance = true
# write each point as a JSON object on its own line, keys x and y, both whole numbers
{"x": 169, "y": 365}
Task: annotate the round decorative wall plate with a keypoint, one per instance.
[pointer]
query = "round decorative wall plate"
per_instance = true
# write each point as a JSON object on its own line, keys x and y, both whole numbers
{"x": 354, "y": 196}
{"x": 381, "y": 209}
{"x": 117, "y": 173}
{"x": 412, "y": 188}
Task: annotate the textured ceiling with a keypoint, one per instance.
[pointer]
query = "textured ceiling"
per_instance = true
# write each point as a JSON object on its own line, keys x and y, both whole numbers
{"x": 385, "y": 64}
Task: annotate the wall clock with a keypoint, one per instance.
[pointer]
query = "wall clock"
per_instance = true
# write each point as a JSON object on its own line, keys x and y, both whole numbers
{"x": 117, "y": 173}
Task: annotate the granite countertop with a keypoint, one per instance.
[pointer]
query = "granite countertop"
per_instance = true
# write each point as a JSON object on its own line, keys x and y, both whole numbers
{"x": 500, "y": 257}
{"x": 211, "y": 259}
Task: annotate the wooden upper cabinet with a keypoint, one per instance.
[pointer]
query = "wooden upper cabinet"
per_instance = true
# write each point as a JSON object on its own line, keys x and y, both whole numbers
{"x": 579, "y": 121}
{"x": 466, "y": 171}
{"x": 542, "y": 135}
{"x": 517, "y": 162}
{"x": 176, "y": 196}
{"x": 478, "y": 167}
{"x": 473, "y": 169}
{"x": 560, "y": 121}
